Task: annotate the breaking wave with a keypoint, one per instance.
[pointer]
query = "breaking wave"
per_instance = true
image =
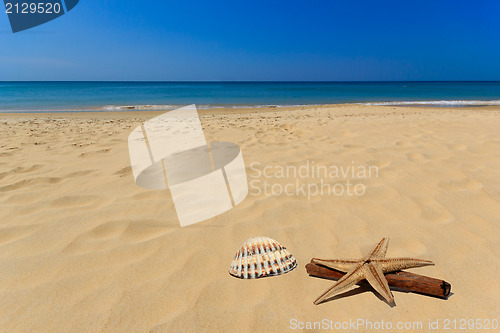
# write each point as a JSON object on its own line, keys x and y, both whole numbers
{"x": 444, "y": 103}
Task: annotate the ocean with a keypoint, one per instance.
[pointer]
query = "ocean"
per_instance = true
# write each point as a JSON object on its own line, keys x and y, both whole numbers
{"x": 119, "y": 96}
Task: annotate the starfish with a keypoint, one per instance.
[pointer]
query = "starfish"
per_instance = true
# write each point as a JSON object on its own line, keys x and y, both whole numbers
{"x": 371, "y": 268}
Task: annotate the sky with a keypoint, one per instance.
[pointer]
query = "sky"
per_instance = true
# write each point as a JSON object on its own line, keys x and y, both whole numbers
{"x": 273, "y": 40}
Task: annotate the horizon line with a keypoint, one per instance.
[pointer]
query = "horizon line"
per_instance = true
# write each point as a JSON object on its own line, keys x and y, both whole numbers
{"x": 242, "y": 81}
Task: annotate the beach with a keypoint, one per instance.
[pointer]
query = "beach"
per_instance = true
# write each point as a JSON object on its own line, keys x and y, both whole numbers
{"x": 84, "y": 249}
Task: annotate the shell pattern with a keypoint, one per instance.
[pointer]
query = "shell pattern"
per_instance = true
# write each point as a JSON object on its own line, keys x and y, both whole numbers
{"x": 261, "y": 257}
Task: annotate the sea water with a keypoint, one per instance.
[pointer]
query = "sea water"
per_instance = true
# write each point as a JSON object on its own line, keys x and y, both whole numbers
{"x": 119, "y": 96}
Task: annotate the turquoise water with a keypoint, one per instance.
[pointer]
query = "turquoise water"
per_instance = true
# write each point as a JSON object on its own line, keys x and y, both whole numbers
{"x": 88, "y": 96}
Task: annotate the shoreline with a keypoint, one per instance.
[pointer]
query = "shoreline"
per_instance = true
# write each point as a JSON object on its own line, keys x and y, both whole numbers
{"x": 168, "y": 107}
{"x": 403, "y": 109}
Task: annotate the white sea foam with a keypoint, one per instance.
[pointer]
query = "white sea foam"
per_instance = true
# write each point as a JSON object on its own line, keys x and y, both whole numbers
{"x": 138, "y": 107}
{"x": 442, "y": 103}
{"x": 449, "y": 103}
{"x": 166, "y": 107}
{"x": 152, "y": 107}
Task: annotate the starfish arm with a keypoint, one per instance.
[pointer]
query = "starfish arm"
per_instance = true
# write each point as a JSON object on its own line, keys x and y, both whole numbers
{"x": 349, "y": 279}
{"x": 375, "y": 277}
{"x": 397, "y": 264}
{"x": 340, "y": 265}
{"x": 381, "y": 249}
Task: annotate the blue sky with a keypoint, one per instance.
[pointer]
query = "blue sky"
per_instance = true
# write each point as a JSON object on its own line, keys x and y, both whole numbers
{"x": 259, "y": 40}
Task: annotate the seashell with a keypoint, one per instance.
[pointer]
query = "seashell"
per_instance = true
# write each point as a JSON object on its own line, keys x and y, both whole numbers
{"x": 261, "y": 257}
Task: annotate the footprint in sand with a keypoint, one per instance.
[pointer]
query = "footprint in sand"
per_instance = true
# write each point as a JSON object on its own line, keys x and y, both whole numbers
{"x": 6, "y": 154}
{"x": 433, "y": 211}
{"x": 463, "y": 184}
{"x": 76, "y": 201}
{"x": 32, "y": 168}
{"x": 472, "y": 167}
{"x": 352, "y": 146}
{"x": 12, "y": 234}
{"x": 30, "y": 182}
{"x": 141, "y": 231}
{"x": 150, "y": 195}
{"x": 24, "y": 198}
{"x": 457, "y": 147}
{"x": 416, "y": 247}
{"x": 101, "y": 238}
{"x": 379, "y": 164}
{"x": 80, "y": 174}
{"x": 416, "y": 157}
{"x": 124, "y": 171}
{"x": 21, "y": 170}
{"x": 348, "y": 134}
{"x": 134, "y": 231}
{"x": 113, "y": 234}
{"x": 107, "y": 230}
{"x": 95, "y": 153}
{"x": 403, "y": 143}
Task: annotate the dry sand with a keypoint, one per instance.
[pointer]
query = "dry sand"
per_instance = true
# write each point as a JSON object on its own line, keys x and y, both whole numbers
{"x": 83, "y": 249}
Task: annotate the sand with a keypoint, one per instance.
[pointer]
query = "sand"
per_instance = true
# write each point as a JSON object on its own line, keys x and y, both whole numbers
{"x": 83, "y": 249}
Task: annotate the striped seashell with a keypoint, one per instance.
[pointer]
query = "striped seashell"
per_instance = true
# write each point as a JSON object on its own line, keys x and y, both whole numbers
{"x": 260, "y": 257}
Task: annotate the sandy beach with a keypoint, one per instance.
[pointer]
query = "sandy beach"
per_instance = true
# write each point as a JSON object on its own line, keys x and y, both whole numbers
{"x": 84, "y": 249}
